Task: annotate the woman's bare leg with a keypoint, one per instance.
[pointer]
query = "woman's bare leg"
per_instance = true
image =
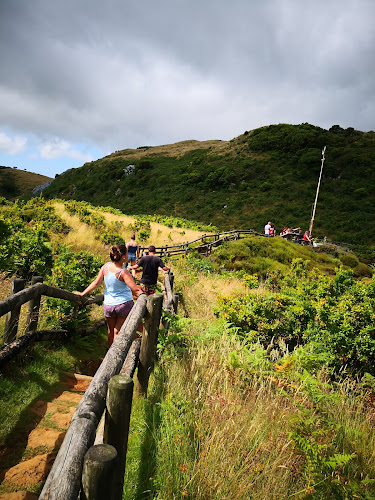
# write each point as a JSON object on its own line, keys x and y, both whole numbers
{"x": 119, "y": 322}
{"x": 111, "y": 322}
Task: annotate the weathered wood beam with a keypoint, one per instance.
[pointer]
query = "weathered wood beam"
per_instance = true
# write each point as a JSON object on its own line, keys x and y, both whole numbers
{"x": 149, "y": 341}
{"x": 116, "y": 427}
{"x": 11, "y": 350}
{"x": 131, "y": 361}
{"x": 92, "y": 405}
{"x": 67, "y": 469}
{"x": 12, "y": 319}
{"x": 97, "y": 474}
{"x": 32, "y": 292}
{"x": 34, "y": 306}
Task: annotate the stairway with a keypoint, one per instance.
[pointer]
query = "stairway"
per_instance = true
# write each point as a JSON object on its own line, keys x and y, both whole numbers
{"x": 53, "y": 417}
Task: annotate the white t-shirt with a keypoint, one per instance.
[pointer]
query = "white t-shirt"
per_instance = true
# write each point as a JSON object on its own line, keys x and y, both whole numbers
{"x": 267, "y": 228}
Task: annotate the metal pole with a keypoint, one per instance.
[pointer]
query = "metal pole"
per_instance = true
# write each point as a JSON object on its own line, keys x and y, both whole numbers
{"x": 317, "y": 193}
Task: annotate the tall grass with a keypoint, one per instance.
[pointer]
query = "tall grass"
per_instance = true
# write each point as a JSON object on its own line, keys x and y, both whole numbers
{"x": 229, "y": 433}
{"x": 223, "y": 421}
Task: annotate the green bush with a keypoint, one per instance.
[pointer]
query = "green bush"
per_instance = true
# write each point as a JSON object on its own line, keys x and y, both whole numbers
{"x": 72, "y": 271}
{"x": 349, "y": 260}
{"x": 335, "y": 315}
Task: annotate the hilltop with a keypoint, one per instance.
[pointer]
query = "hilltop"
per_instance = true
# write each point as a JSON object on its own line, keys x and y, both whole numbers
{"x": 270, "y": 173}
{"x": 16, "y": 183}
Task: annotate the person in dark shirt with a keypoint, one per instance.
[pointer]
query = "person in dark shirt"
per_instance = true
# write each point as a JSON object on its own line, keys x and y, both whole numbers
{"x": 150, "y": 264}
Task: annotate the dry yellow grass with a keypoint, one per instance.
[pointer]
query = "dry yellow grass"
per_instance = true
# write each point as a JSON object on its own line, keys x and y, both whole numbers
{"x": 175, "y": 150}
{"x": 24, "y": 181}
{"x": 216, "y": 147}
{"x": 80, "y": 237}
{"x": 160, "y": 235}
{"x": 198, "y": 297}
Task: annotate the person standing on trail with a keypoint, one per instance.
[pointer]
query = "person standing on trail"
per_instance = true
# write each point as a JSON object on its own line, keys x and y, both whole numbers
{"x": 119, "y": 290}
{"x": 150, "y": 264}
{"x": 133, "y": 251}
{"x": 267, "y": 228}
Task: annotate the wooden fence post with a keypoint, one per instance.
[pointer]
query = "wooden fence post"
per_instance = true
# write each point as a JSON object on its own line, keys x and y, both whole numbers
{"x": 175, "y": 302}
{"x": 116, "y": 427}
{"x": 97, "y": 473}
{"x": 149, "y": 342}
{"x": 12, "y": 318}
{"x": 171, "y": 279}
{"x": 34, "y": 305}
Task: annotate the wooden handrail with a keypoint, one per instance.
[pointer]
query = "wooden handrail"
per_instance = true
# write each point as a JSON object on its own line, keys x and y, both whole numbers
{"x": 33, "y": 291}
{"x": 64, "y": 479}
{"x": 182, "y": 247}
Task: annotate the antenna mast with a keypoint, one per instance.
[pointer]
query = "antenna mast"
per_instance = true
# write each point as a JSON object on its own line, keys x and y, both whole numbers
{"x": 317, "y": 193}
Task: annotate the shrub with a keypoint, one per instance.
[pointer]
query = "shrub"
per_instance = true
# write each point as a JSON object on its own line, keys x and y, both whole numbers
{"x": 349, "y": 260}
{"x": 72, "y": 271}
{"x": 32, "y": 254}
{"x": 362, "y": 270}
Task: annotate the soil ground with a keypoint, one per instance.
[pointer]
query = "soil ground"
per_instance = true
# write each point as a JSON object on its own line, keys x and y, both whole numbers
{"x": 22, "y": 480}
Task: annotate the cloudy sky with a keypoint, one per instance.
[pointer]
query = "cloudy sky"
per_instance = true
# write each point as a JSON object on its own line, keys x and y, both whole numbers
{"x": 80, "y": 79}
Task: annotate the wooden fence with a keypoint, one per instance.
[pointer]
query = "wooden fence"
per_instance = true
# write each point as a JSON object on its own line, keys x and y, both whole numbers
{"x": 11, "y": 307}
{"x": 208, "y": 241}
{"x": 88, "y": 464}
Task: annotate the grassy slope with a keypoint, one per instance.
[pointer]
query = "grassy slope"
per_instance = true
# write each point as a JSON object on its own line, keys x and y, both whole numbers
{"x": 267, "y": 174}
{"x": 205, "y": 427}
{"x": 16, "y": 183}
{"x": 219, "y": 424}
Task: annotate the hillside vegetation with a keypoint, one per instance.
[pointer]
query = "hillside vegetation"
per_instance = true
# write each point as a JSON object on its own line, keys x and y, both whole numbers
{"x": 270, "y": 173}
{"x": 16, "y": 183}
{"x": 265, "y": 383}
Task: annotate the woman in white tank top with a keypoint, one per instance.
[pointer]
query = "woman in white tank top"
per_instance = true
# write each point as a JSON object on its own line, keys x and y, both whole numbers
{"x": 119, "y": 289}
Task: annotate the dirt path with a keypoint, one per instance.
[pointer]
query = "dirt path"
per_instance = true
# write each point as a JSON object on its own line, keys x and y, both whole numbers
{"x": 23, "y": 480}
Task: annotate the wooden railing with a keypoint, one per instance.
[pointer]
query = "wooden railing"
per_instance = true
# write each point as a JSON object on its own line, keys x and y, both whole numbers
{"x": 91, "y": 463}
{"x": 11, "y": 307}
{"x": 110, "y": 391}
{"x": 208, "y": 241}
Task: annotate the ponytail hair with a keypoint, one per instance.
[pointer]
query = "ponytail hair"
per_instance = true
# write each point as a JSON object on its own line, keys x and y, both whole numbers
{"x": 117, "y": 251}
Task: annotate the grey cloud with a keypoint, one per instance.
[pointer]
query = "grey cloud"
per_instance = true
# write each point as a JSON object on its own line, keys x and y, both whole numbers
{"x": 122, "y": 74}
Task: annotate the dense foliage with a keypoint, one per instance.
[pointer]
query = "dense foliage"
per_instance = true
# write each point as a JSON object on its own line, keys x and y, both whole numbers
{"x": 269, "y": 173}
{"x": 71, "y": 271}
{"x": 334, "y": 316}
{"x": 254, "y": 255}
{"x": 26, "y": 250}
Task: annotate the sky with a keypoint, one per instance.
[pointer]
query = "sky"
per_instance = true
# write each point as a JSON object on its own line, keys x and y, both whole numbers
{"x": 80, "y": 79}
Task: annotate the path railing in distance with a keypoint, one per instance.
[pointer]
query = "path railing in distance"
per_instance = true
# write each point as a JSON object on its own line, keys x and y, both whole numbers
{"x": 205, "y": 239}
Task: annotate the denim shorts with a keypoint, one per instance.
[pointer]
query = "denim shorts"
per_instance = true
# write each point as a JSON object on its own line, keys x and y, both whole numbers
{"x": 118, "y": 310}
{"x": 132, "y": 257}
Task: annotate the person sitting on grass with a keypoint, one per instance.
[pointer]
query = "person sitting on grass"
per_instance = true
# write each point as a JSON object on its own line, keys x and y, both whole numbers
{"x": 307, "y": 238}
{"x": 150, "y": 264}
{"x": 119, "y": 290}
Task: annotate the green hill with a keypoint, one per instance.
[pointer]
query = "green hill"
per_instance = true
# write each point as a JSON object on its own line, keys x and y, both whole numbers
{"x": 16, "y": 183}
{"x": 270, "y": 173}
